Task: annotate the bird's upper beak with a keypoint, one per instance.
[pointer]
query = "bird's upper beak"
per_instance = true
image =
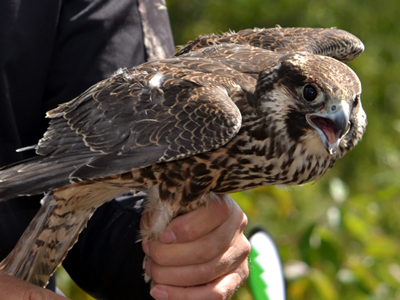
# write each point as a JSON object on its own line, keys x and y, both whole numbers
{"x": 331, "y": 124}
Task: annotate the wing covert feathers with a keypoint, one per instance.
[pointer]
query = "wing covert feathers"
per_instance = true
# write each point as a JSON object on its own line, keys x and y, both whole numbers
{"x": 336, "y": 43}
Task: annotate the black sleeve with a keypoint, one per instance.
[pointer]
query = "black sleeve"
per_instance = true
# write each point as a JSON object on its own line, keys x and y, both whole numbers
{"x": 50, "y": 52}
{"x": 107, "y": 261}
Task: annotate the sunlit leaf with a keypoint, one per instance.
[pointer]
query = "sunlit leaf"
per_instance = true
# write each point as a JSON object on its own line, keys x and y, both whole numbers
{"x": 323, "y": 285}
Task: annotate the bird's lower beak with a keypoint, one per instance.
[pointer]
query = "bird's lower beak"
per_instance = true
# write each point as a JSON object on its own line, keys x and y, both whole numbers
{"x": 331, "y": 126}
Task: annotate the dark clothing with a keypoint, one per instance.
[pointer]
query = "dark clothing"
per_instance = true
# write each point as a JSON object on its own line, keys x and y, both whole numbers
{"x": 50, "y": 52}
{"x": 107, "y": 261}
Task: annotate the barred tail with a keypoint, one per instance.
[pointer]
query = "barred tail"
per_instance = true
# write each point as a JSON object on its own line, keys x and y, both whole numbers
{"x": 56, "y": 227}
{"x": 46, "y": 241}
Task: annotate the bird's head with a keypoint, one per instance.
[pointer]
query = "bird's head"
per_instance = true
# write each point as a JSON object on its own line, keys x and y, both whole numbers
{"x": 316, "y": 99}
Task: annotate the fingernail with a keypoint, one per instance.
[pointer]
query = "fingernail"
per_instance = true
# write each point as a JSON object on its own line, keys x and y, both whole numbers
{"x": 158, "y": 294}
{"x": 168, "y": 237}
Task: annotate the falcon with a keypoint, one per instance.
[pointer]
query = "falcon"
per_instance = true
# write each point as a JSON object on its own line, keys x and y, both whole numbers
{"x": 227, "y": 113}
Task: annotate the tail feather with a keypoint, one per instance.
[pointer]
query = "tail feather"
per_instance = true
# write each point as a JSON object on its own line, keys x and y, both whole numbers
{"x": 45, "y": 242}
{"x": 55, "y": 229}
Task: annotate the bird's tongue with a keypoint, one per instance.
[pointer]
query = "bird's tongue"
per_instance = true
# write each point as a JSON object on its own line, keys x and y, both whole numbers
{"x": 328, "y": 127}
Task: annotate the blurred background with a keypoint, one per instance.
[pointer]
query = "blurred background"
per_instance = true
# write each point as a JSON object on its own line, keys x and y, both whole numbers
{"x": 338, "y": 237}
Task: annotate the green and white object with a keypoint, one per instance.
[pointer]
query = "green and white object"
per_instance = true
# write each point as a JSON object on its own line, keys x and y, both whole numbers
{"x": 266, "y": 274}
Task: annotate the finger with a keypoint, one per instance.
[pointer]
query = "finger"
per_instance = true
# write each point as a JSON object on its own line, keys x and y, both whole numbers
{"x": 201, "y": 273}
{"x": 193, "y": 225}
{"x": 197, "y": 223}
{"x": 12, "y": 288}
{"x": 221, "y": 288}
{"x": 201, "y": 250}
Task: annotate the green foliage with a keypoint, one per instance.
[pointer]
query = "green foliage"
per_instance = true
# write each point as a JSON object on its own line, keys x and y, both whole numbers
{"x": 338, "y": 238}
{"x": 344, "y": 227}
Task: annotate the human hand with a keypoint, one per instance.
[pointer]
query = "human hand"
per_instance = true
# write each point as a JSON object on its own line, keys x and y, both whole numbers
{"x": 12, "y": 288}
{"x": 201, "y": 255}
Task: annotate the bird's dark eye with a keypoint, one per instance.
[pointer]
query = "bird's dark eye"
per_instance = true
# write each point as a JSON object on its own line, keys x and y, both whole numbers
{"x": 309, "y": 93}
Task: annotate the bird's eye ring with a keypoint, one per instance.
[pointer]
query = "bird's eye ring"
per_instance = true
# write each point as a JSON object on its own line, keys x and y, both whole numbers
{"x": 310, "y": 93}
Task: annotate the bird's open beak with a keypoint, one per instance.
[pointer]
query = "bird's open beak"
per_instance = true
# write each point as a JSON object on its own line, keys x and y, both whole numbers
{"x": 331, "y": 125}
